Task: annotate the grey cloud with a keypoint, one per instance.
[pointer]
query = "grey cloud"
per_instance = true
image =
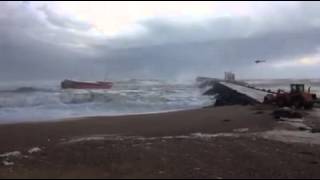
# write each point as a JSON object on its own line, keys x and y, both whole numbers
{"x": 170, "y": 49}
{"x": 31, "y": 49}
{"x": 214, "y": 57}
{"x": 63, "y": 22}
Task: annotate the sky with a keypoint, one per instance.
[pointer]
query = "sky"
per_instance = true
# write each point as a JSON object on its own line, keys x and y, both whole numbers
{"x": 158, "y": 40}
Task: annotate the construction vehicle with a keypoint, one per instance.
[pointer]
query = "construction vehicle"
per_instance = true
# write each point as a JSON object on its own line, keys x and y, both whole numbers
{"x": 297, "y": 97}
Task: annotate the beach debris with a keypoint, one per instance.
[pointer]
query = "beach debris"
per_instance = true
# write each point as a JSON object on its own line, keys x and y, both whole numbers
{"x": 286, "y": 113}
{"x": 10, "y": 154}
{"x": 34, "y": 150}
{"x": 241, "y": 130}
{"x": 7, "y": 163}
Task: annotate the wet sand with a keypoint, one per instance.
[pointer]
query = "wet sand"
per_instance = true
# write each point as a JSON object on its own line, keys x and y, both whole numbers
{"x": 222, "y": 142}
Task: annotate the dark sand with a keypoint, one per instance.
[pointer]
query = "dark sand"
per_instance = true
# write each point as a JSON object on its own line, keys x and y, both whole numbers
{"x": 158, "y": 146}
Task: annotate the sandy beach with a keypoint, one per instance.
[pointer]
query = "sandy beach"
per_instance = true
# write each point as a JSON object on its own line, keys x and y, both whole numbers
{"x": 159, "y": 90}
{"x": 221, "y": 142}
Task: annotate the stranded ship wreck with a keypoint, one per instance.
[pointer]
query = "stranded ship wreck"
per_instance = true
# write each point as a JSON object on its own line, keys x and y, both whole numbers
{"x": 70, "y": 84}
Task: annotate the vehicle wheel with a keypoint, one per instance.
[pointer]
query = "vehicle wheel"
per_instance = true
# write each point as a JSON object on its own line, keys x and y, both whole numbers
{"x": 298, "y": 103}
{"x": 308, "y": 106}
{"x": 280, "y": 102}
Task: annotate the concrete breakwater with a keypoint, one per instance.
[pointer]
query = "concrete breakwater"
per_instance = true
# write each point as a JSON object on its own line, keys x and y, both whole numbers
{"x": 231, "y": 93}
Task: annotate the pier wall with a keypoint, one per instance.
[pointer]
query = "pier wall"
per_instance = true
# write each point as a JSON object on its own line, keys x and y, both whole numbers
{"x": 231, "y": 93}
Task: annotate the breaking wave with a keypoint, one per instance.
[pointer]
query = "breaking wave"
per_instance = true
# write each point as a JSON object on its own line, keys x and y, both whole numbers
{"x": 126, "y": 97}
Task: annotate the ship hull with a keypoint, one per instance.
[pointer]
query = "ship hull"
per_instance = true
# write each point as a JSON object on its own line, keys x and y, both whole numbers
{"x": 69, "y": 84}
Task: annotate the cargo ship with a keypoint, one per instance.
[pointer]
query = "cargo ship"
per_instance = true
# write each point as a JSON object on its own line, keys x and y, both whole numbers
{"x": 70, "y": 84}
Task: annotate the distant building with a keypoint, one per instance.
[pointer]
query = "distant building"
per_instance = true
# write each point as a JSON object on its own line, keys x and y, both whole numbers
{"x": 229, "y": 76}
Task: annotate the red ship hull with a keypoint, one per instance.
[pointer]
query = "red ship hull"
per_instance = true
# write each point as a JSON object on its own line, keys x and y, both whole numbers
{"x": 68, "y": 84}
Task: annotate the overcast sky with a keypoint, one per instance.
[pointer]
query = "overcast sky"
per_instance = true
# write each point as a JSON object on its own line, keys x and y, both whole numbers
{"x": 163, "y": 40}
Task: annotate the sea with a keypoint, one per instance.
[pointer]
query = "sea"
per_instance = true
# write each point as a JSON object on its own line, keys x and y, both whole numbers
{"x": 45, "y": 101}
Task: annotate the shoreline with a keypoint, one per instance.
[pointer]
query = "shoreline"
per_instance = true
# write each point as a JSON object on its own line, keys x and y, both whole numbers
{"x": 221, "y": 142}
{"x": 75, "y": 118}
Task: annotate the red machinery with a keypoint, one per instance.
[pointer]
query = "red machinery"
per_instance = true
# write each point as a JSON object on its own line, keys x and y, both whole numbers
{"x": 297, "y": 97}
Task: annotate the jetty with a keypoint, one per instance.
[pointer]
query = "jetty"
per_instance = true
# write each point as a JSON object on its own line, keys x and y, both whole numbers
{"x": 229, "y": 91}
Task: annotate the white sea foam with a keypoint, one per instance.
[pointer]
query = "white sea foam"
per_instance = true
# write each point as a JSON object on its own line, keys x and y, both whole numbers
{"x": 7, "y": 163}
{"x": 111, "y": 137}
{"x": 10, "y": 154}
{"x": 208, "y": 136}
{"x": 48, "y": 102}
{"x": 241, "y": 130}
{"x": 34, "y": 150}
{"x": 290, "y": 136}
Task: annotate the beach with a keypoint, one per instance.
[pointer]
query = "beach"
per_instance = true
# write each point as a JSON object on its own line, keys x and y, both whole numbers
{"x": 220, "y": 142}
{"x": 163, "y": 90}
